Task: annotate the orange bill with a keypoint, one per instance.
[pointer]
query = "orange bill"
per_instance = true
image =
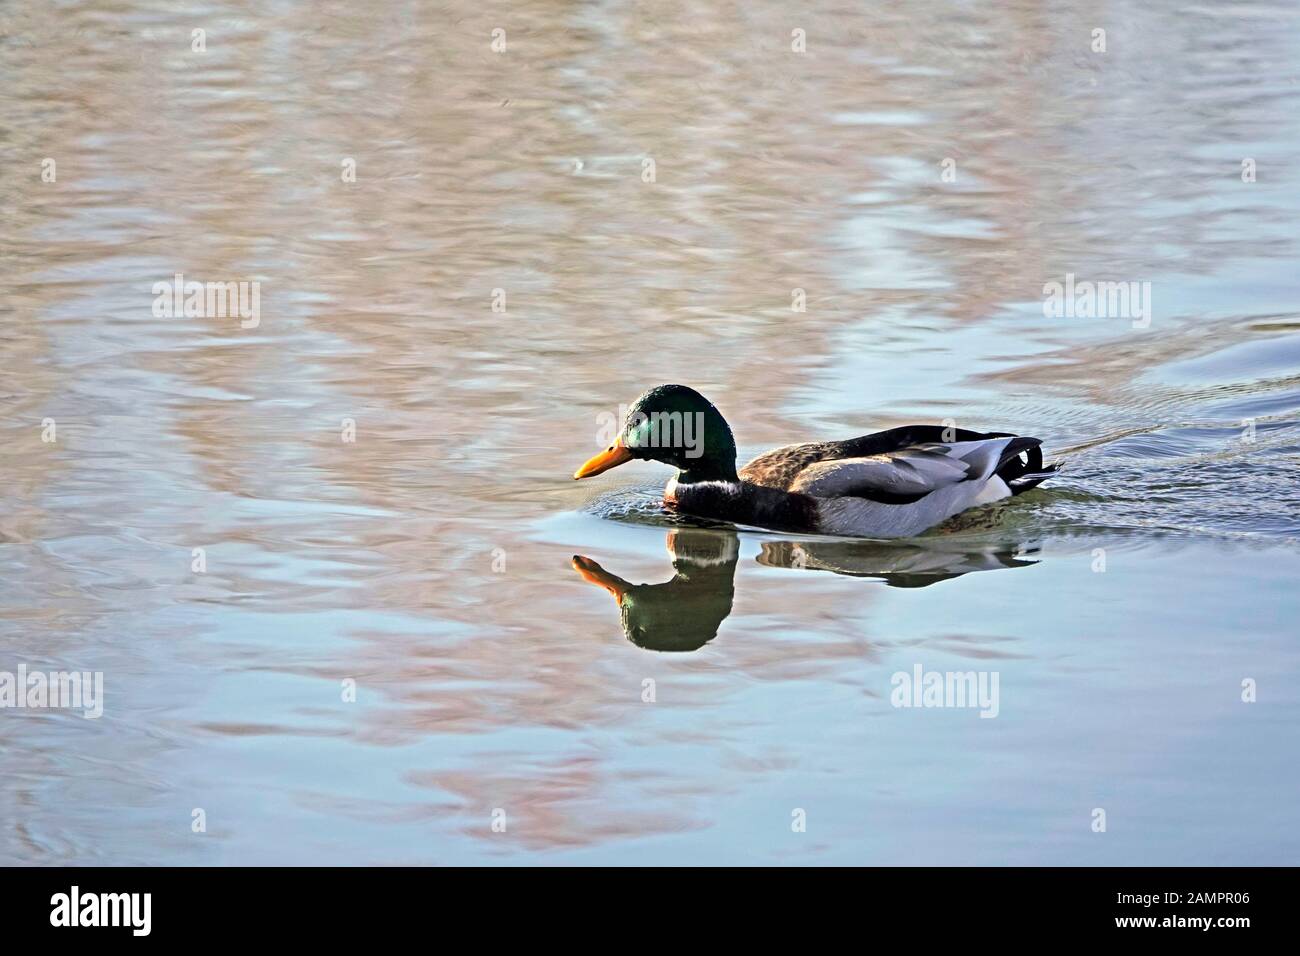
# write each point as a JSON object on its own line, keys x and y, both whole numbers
{"x": 593, "y": 573}
{"x": 611, "y": 457}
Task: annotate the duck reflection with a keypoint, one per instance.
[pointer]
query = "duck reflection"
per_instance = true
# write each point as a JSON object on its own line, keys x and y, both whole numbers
{"x": 898, "y": 565}
{"x": 682, "y": 614}
{"x": 685, "y": 613}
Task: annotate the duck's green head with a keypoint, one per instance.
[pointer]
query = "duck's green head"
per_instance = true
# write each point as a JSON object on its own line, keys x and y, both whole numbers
{"x": 678, "y": 426}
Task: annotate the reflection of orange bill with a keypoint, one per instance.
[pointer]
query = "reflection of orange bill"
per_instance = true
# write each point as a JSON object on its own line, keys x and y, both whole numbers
{"x": 593, "y": 573}
{"x": 611, "y": 457}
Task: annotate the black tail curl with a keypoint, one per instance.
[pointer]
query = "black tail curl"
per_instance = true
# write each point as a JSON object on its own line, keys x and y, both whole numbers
{"x": 1022, "y": 465}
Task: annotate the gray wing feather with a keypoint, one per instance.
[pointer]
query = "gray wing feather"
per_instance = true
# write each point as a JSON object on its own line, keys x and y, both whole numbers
{"x": 914, "y": 470}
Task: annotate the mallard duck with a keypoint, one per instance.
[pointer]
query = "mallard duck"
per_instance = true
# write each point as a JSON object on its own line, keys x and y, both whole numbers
{"x": 891, "y": 484}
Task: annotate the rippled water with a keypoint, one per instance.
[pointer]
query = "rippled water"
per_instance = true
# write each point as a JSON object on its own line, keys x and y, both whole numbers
{"x": 432, "y": 560}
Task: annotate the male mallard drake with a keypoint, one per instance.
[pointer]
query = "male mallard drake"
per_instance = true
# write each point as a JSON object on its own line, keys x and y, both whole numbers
{"x": 892, "y": 484}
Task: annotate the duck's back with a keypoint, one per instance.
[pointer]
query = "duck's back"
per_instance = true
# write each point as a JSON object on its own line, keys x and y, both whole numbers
{"x": 900, "y": 482}
{"x": 782, "y": 468}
